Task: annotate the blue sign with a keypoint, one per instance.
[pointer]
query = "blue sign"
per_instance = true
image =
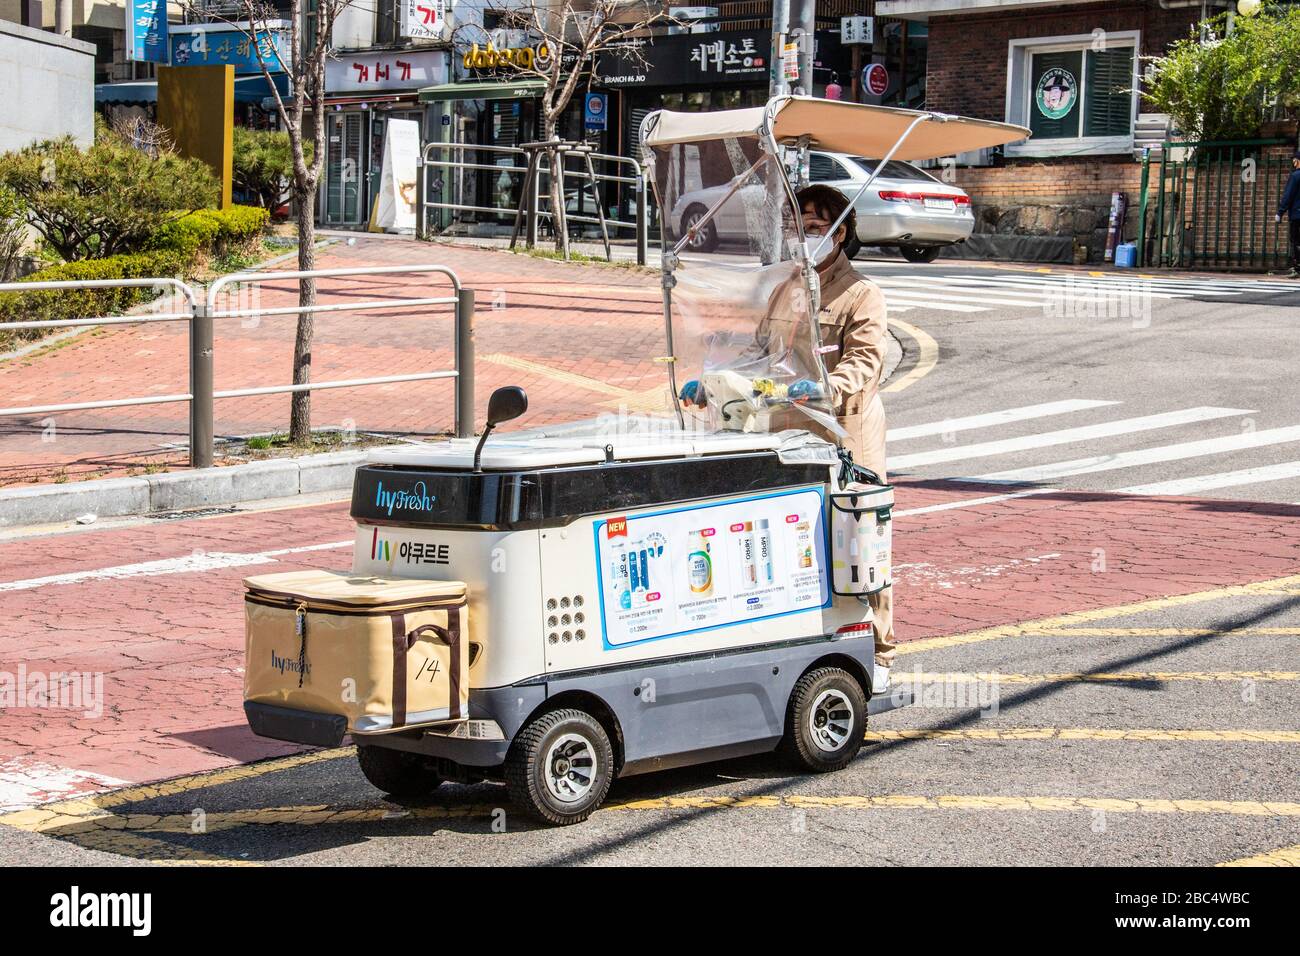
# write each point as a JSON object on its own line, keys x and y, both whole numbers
{"x": 146, "y": 23}
{"x": 594, "y": 115}
{"x": 192, "y": 45}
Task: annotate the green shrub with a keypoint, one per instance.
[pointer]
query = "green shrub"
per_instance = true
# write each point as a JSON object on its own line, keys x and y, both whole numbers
{"x": 54, "y": 305}
{"x": 107, "y": 199}
{"x": 212, "y": 232}
{"x": 262, "y": 164}
{"x": 13, "y": 232}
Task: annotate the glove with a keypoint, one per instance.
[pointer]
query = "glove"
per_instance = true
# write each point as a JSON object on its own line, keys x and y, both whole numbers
{"x": 692, "y": 393}
{"x": 803, "y": 390}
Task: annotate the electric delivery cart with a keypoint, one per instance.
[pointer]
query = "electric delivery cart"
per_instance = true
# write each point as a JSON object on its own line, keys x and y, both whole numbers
{"x": 564, "y": 606}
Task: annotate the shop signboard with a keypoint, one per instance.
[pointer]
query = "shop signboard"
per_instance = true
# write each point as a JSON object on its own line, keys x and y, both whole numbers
{"x": 426, "y": 19}
{"x": 596, "y": 112}
{"x": 875, "y": 78}
{"x": 377, "y": 71}
{"x": 688, "y": 60}
{"x": 226, "y": 44}
{"x": 146, "y": 23}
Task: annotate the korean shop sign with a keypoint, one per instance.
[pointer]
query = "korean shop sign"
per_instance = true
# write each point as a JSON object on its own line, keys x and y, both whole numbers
{"x": 373, "y": 71}
{"x": 425, "y": 19}
{"x": 689, "y": 59}
{"x": 215, "y": 44}
{"x": 1056, "y": 93}
{"x": 146, "y": 29}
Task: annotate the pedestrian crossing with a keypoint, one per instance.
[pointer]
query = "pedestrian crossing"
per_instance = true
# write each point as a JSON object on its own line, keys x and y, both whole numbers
{"x": 1089, "y": 444}
{"x": 1100, "y": 293}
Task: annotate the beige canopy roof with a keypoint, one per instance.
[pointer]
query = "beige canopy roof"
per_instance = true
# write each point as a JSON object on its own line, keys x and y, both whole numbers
{"x": 838, "y": 127}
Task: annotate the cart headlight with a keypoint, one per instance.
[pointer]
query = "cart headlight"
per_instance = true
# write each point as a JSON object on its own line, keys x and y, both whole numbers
{"x": 472, "y": 730}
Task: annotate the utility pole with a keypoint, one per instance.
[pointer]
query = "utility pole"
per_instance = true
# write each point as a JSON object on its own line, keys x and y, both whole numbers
{"x": 805, "y": 18}
{"x": 780, "y": 31}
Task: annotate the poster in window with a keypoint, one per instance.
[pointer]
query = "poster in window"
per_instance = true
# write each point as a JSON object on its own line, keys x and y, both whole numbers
{"x": 425, "y": 19}
{"x": 1056, "y": 93}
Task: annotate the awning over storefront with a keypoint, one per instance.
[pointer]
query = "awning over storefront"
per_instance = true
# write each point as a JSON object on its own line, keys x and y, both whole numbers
{"x": 486, "y": 90}
{"x": 248, "y": 89}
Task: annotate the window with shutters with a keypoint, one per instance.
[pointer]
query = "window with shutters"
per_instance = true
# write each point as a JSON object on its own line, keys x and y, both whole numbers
{"x": 1076, "y": 94}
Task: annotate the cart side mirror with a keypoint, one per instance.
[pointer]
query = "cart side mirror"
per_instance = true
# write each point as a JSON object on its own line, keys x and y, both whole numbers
{"x": 506, "y": 404}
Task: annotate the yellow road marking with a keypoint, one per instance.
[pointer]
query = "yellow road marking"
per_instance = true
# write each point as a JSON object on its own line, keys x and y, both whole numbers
{"x": 1090, "y": 733}
{"x": 131, "y": 827}
{"x": 1172, "y": 632}
{"x": 156, "y": 851}
{"x": 925, "y": 363}
{"x": 66, "y": 813}
{"x": 926, "y": 677}
{"x": 1050, "y": 626}
{"x": 1287, "y": 856}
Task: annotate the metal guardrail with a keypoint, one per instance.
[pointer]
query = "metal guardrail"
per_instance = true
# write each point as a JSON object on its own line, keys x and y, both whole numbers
{"x": 201, "y": 313}
{"x": 635, "y": 177}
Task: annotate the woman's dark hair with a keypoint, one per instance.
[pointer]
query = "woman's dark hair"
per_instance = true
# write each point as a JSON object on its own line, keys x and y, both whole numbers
{"x": 828, "y": 202}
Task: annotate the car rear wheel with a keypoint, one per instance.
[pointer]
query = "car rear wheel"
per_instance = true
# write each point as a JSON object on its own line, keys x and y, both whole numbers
{"x": 706, "y": 240}
{"x": 825, "y": 721}
{"x": 919, "y": 253}
{"x": 852, "y": 247}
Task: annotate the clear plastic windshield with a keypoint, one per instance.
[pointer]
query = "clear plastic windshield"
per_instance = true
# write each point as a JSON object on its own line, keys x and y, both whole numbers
{"x": 738, "y": 304}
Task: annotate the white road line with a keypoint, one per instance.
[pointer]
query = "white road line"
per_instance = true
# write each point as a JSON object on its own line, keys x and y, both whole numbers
{"x": 1065, "y": 436}
{"x": 938, "y": 299}
{"x": 1227, "y": 479}
{"x": 1079, "y": 289}
{"x": 1023, "y": 413}
{"x": 1189, "y": 285}
{"x": 973, "y": 502}
{"x": 891, "y": 301}
{"x": 191, "y": 563}
{"x": 1147, "y": 456}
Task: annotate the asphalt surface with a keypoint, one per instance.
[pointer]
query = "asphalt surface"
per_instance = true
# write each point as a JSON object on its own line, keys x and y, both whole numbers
{"x": 1160, "y": 732}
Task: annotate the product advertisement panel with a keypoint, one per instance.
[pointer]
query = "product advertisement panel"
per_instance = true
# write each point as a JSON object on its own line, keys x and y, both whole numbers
{"x": 691, "y": 569}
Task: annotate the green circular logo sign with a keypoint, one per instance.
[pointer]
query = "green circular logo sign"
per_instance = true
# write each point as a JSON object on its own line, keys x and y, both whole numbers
{"x": 1057, "y": 92}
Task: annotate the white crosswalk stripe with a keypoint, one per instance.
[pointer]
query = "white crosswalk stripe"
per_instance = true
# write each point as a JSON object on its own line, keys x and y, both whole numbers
{"x": 955, "y": 453}
{"x": 1002, "y": 289}
{"x": 946, "y": 460}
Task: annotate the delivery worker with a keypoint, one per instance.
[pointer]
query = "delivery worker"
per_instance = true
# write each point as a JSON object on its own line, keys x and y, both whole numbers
{"x": 1290, "y": 207}
{"x": 852, "y": 328}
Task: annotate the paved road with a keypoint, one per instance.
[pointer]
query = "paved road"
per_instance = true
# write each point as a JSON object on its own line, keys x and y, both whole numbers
{"x": 1145, "y": 646}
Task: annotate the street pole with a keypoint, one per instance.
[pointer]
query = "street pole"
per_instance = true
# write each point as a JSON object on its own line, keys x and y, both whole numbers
{"x": 806, "y": 32}
{"x": 780, "y": 28}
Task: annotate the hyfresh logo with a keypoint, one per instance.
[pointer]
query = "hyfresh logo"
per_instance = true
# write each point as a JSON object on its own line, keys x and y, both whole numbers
{"x": 417, "y": 499}
{"x": 286, "y": 664}
{"x": 74, "y": 908}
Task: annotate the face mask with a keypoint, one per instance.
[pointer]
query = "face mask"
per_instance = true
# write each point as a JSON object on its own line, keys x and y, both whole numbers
{"x": 827, "y": 249}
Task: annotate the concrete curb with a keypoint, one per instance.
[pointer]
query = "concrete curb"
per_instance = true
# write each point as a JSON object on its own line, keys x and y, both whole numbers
{"x": 179, "y": 491}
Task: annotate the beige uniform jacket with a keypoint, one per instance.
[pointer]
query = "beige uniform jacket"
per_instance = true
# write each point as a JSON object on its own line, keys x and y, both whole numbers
{"x": 853, "y": 329}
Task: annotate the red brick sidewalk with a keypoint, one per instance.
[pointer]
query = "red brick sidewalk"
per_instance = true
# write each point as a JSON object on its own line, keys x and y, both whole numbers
{"x": 579, "y": 321}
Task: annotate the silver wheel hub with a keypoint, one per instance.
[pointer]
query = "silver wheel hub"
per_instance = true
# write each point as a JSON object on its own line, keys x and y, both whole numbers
{"x": 570, "y": 768}
{"x": 830, "y": 720}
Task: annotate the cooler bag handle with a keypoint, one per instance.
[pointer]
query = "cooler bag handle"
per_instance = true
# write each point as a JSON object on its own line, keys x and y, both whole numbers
{"x": 404, "y": 640}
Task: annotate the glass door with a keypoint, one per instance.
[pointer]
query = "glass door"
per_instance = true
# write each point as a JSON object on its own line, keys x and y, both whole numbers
{"x": 345, "y": 169}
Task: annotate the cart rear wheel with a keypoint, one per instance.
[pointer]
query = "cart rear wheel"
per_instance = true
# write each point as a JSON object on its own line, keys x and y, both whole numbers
{"x": 560, "y": 766}
{"x": 397, "y": 772}
{"x": 919, "y": 253}
{"x": 825, "y": 720}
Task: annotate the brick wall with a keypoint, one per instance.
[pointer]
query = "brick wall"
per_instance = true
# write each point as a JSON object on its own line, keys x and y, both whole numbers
{"x": 966, "y": 68}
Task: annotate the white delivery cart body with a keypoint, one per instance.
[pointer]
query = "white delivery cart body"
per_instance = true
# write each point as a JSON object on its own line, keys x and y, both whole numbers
{"x": 652, "y": 592}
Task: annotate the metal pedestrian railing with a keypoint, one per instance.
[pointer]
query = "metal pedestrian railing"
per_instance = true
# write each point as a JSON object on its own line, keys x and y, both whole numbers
{"x": 457, "y": 181}
{"x": 1211, "y": 205}
{"x": 200, "y": 311}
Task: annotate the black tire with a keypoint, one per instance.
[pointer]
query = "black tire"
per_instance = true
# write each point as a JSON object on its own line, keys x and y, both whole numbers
{"x": 920, "y": 253}
{"x": 531, "y": 781}
{"x": 852, "y": 246}
{"x": 706, "y": 240}
{"x": 398, "y": 772}
{"x": 813, "y": 704}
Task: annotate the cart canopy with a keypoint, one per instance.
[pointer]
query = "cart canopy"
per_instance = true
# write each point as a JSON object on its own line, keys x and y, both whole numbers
{"x": 838, "y": 127}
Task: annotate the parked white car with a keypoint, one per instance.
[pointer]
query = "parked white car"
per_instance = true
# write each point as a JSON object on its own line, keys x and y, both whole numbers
{"x": 905, "y": 207}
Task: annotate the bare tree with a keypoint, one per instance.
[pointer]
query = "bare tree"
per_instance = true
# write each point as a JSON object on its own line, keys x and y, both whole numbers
{"x": 311, "y": 27}
{"x": 567, "y": 37}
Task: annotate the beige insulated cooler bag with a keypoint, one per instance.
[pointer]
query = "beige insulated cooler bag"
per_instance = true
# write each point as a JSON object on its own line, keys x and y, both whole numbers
{"x": 384, "y": 653}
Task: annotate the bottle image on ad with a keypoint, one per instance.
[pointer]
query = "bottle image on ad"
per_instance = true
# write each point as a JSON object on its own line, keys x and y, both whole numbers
{"x": 700, "y": 565}
{"x": 803, "y": 543}
{"x": 645, "y": 570}
{"x": 766, "y": 572}
{"x": 748, "y": 556}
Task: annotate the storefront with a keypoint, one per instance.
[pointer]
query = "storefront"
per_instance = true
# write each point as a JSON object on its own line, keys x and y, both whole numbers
{"x": 364, "y": 91}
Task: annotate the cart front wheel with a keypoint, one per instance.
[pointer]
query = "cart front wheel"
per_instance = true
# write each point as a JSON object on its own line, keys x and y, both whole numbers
{"x": 560, "y": 767}
{"x": 397, "y": 772}
{"x": 826, "y": 720}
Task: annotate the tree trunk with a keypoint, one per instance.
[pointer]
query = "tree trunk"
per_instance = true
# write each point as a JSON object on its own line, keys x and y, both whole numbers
{"x": 300, "y": 407}
{"x": 559, "y": 221}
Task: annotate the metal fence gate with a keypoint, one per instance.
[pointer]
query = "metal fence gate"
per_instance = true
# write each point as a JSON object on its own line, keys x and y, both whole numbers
{"x": 1210, "y": 205}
